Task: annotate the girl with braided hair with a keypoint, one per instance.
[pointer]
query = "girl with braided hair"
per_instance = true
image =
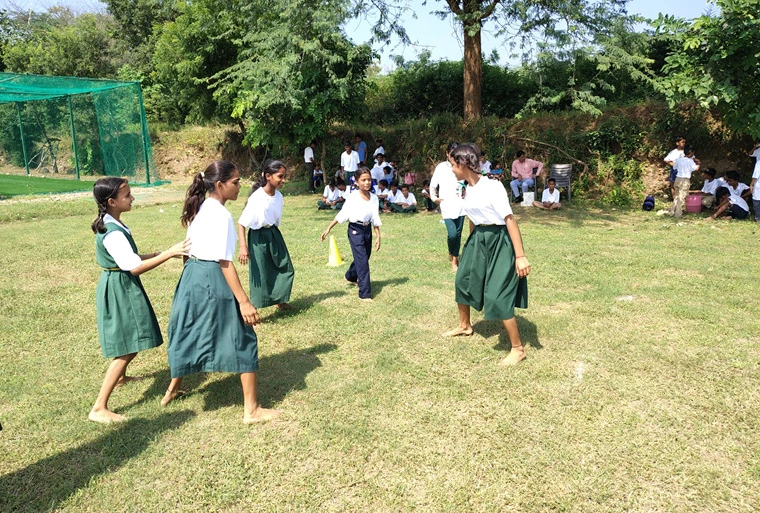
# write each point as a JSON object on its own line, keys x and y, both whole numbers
{"x": 212, "y": 318}
{"x": 493, "y": 270}
{"x": 270, "y": 269}
{"x": 126, "y": 321}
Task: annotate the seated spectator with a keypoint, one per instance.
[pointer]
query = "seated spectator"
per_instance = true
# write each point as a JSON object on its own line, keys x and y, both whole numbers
{"x": 524, "y": 172}
{"x": 735, "y": 187}
{"x": 378, "y": 171}
{"x": 405, "y": 202}
{"x": 381, "y": 191}
{"x": 429, "y": 205}
{"x": 388, "y": 173}
{"x": 330, "y": 197}
{"x": 485, "y": 166}
{"x": 550, "y": 197}
{"x": 711, "y": 184}
{"x": 343, "y": 196}
{"x": 729, "y": 205}
{"x": 317, "y": 177}
{"x": 496, "y": 171}
{"x": 390, "y": 198}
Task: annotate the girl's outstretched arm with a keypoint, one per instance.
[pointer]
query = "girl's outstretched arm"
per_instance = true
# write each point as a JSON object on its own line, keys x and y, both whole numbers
{"x": 521, "y": 262}
{"x": 327, "y": 232}
{"x": 247, "y": 310}
{"x": 179, "y": 249}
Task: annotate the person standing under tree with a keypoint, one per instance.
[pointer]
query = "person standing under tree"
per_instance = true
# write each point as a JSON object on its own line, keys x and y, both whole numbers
{"x": 492, "y": 274}
{"x": 349, "y": 163}
{"x": 309, "y": 162}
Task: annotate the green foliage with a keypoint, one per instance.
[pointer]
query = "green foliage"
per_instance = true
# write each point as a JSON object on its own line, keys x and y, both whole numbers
{"x": 716, "y": 62}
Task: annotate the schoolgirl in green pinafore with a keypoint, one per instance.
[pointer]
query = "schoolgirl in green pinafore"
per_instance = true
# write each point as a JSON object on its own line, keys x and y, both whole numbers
{"x": 493, "y": 269}
{"x": 126, "y": 321}
{"x": 270, "y": 269}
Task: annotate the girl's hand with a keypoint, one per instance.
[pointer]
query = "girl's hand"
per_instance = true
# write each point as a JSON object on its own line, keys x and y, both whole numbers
{"x": 325, "y": 234}
{"x": 249, "y": 313}
{"x": 522, "y": 267}
{"x": 377, "y": 243}
{"x": 180, "y": 249}
{"x": 243, "y": 255}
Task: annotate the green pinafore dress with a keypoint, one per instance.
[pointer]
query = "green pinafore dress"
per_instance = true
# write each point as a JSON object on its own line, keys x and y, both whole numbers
{"x": 126, "y": 320}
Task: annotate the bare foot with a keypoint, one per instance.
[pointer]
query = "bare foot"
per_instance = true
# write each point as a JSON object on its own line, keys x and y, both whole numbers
{"x": 515, "y": 356}
{"x": 127, "y": 379}
{"x": 458, "y": 331}
{"x": 367, "y": 299}
{"x": 454, "y": 263}
{"x": 170, "y": 395}
{"x": 260, "y": 415}
{"x": 284, "y": 307}
{"x": 105, "y": 416}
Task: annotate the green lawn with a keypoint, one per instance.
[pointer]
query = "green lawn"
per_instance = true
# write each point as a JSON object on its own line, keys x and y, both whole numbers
{"x": 640, "y": 391}
{"x": 21, "y": 185}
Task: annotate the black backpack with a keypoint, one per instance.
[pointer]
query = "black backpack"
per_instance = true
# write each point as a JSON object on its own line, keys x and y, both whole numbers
{"x": 648, "y": 203}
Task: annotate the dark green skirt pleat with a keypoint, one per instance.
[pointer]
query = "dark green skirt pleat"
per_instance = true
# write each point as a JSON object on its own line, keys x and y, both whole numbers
{"x": 486, "y": 278}
{"x": 206, "y": 329}
{"x": 126, "y": 320}
{"x": 270, "y": 269}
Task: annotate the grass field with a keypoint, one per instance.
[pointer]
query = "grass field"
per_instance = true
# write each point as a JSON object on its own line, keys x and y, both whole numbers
{"x": 21, "y": 185}
{"x": 640, "y": 390}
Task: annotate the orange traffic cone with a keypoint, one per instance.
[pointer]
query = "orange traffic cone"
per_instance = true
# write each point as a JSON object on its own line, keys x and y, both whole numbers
{"x": 334, "y": 260}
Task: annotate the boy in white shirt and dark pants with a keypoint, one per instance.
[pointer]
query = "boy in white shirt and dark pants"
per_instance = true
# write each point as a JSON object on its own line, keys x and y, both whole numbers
{"x": 550, "y": 197}
{"x": 684, "y": 167}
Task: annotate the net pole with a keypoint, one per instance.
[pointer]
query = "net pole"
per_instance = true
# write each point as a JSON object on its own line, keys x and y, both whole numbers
{"x": 145, "y": 134}
{"x": 21, "y": 132}
{"x": 73, "y": 137}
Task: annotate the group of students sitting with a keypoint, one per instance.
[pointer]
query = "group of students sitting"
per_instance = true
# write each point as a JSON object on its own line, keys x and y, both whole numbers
{"x": 391, "y": 196}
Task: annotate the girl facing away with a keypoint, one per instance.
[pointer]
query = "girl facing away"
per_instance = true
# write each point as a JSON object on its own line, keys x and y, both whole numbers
{"x": 126, "y": 321}
{"x": 493, "y": 268}
{"x": 270, "y": 268}
{"x": 210, "y": 326}
{"x": 361, "y": 210}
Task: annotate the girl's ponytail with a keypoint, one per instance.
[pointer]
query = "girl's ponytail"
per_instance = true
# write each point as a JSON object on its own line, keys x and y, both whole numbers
{"x": 103, "y": 190}
{"x": 270, "y": 168}
{"x": 205, "y": 181}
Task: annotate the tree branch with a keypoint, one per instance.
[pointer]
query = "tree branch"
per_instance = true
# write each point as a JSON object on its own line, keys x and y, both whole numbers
{"x": 454, "y": 6}
{"x": 563, "y": 152}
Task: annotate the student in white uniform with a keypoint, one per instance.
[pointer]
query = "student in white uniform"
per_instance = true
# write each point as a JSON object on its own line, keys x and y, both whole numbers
{"x": 349, "y": 163}
{"x": 126, "y": 321}
{"x": 210, "y": 325}
{"x": 270, "y": 268}
{"x": 493, "y": 270}
{"x": 405, "y": 202}
{"x": 446, "y": 192}
{"x": 379, "y": 148}
{"x": 709, "y": 187}
{"x": 684, "y": 167}
{"x": 329, "y": 197}
{"x": 735, "y": 187}
{"x": 378, "y": 171}
{"x": 550, "y": 197}
{"x": 393, "y": 194}
{"x": 485, "y": 165}
{"x": 755, "y": 191}
{"x": 729, "y": 206}
{"x": 361, "y": 212}
{"x": 670, "y": 160}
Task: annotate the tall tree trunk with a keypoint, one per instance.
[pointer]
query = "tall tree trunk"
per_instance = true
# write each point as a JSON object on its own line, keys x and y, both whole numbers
{"x": 473, "y": 65}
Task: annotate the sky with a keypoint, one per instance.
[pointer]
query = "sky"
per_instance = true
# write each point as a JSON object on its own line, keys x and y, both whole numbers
{"x": 427, "y": 31}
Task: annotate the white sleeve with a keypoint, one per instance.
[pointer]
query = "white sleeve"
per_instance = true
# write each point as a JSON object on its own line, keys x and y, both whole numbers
{"x": 756, "y": 172}
{"x": 546, "y": 196}
{"x": 230, "y": 241}
{"x": 246, "y": 218}
{"x": 345, "y": 212}
{"x": 375, "y": 202}
{"x": 412, "y": 199}
{"x": 500, "y": 199}
{"x": 118, "y": 247}
{"x": 433, "y": 185}
{"x": 399, "y": 199}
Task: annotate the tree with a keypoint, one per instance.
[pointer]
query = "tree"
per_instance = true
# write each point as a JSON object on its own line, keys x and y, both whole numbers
{"x": 554, "y": 23}
{"x": 717, "y": 63}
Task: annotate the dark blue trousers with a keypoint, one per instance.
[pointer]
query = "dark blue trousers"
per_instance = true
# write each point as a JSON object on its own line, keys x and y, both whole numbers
{"x": 360, "y": 238}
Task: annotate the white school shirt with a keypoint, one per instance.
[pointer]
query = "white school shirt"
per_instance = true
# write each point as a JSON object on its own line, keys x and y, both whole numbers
{"x": 377, "y": 172}
{"x": 739, "y": 201}
{"x": 344, "y": 193}
{"x": 410, "y": 200}
{"x": 331, "y": 195}
{"x": 684, "y": 167}
{"x": 379, "y": 149}
{"x": 740, "y": 188}
{"x": 118, "y": 246}
{"x": 756, "y": 153}
{"x": 389, "y": 176}
{"x": 711, "y": 186}
{"x": 756, "y": 176}
{"x": 392, "y": 197}
{"x": 308, "y": 154}
{"x": 262, "y": 210}
{"x": 485, "y": 167}
{"x": 349, "y": 162}
{"x": 212, "y": 232}
{"x": 449, "y": 191}
{"x": 673, "y": 155}
{"x": 357, "y": 210}
{"x": 550, "y": 196}
{"x": 487, "y": 202}
{"x": 383, "y": 191}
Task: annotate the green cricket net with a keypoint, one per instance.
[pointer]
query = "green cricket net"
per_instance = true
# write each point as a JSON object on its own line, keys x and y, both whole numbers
{"x": 74, "y": 127}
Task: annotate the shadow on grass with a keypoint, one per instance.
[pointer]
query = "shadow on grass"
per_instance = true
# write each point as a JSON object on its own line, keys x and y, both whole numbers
{"x": 302, "y": 304}
{"x": 576, "y": 216}
{"x": 528, "y": 333}
{"x": 44, "y": 485}
{"x": 161, "y": 381}
{"x": 377, "y": 286}
{"x": 278, "y": 375}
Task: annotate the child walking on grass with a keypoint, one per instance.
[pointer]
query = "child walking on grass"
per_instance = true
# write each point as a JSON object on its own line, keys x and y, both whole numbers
{"x": 210, "y": 326}
{"x": 270, "y": 268}
{"x": 493, "y": 269}
{"x": 126, "y": 321}
{"x": 362, "y": 213}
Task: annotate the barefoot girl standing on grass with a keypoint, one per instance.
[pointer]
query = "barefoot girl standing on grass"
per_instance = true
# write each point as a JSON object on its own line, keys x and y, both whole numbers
{"x": 210, "y": 326}
{"x": 493, "y": 269}
{"x": 362, "y": 213}
{"x": 270, "y": 269}
{"x": 126, "y": 321}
